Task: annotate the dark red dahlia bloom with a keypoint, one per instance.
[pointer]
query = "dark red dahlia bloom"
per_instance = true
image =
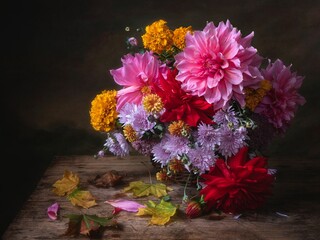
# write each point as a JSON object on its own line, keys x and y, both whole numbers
{"x": 239, "y": 185}
{"x": 180, "y": 105}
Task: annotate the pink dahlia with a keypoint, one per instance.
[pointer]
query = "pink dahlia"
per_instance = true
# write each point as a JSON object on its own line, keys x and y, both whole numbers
{"x": 282, "y": 101}
{"x": 216, "y": 62}
{"x": 136, "y": 75}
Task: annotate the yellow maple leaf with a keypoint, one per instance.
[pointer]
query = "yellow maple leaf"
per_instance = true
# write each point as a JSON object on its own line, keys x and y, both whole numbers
{"x": 161, "y": 213}
{"x": 67, "y": 184}
{"x": 82, "y": 198}
{"x": 141, "y": 189}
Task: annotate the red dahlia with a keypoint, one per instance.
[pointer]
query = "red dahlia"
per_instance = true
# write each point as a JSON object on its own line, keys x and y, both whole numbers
{"x": 238, "y": 185}
{"x": 180, "y": 105}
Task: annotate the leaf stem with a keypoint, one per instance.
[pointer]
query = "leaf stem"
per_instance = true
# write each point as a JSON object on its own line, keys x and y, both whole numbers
{"x": 150, "y": 179}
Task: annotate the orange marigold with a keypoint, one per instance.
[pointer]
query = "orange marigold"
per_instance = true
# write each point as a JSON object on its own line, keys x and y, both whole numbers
{"x": 158, "y": 37}
{"x": 176, "y": 166}
{"x": 179, "y": 128}
{"x": 152, "y": 103}
{"x": 103, "y": 112}
{"x": 179, "y": 36}
{"x": 162, "y": 176}
{"x": 254, "y": 96}
{"x": 129, "y": 133}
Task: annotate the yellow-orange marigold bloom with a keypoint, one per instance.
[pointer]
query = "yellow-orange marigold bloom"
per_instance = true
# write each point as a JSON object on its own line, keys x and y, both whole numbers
{"x": 178, "y": 128}
{"x": 103, "y": 112}
{"x": 158, "y": 37}
{"x": 162, "y": 176}
{"x": 254, "y": 96}
{"x": 176, "y": 166}
{"x": 179, "y": 36}
{"x": 152, "y": 103}
{"x": 129, "y": 133}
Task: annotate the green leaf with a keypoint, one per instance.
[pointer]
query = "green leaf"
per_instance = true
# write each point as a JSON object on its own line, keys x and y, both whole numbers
{"x": 141, "y": 189}
{"x": 87, "y": 225}
{"x": 103, "y": 221}
{"x": 161, "y": 213}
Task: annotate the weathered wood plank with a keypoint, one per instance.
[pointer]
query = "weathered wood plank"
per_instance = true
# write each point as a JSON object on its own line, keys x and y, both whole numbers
{"x": 290, "y": 196}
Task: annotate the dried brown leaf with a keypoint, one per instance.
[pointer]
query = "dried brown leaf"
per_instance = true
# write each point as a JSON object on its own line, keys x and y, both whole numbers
{"x": 111, "y": 178}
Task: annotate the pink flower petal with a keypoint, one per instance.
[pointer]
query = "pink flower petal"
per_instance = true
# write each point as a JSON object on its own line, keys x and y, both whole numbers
{"x": 126, "y": 205}
{"x": 219, "y": 57}
{"x": 52, "y": 211}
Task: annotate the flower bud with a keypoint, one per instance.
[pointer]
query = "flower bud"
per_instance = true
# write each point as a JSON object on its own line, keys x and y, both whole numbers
{"x": 193, "y": 209}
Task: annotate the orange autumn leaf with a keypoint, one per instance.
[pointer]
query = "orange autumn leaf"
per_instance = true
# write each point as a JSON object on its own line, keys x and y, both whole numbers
{"x": 67, "y": 184}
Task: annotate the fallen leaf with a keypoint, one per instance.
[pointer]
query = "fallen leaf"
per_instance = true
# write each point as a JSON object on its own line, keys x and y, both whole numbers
{"x": 126, "y": 205}
{"x": 52, "y": 211}
{"x": 67, "y": 184}
{"x": 88, "y": 225}
{"x": 216, "y": 216}
{"x": 82, "y": 198}
{"x": 108, "y": 179}
{"x": 161, "y": 213}
{"x": 141, "y": 189}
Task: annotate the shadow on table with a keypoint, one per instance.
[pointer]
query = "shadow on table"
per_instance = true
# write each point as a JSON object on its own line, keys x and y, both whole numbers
{"x": 27, "y": 153}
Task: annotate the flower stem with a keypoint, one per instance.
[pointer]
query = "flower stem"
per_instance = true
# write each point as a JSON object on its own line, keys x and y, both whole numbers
{"x": 150, "y": 179}
{"x": 185, "y": 196}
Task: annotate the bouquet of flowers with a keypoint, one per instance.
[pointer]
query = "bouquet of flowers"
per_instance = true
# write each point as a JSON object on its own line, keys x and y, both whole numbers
{"x": 201, "y": 101}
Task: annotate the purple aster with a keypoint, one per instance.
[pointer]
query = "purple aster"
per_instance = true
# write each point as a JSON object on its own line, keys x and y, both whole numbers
{"x": 201, "y": 159}
{"x": 226, "y": 116}
{"x": 160, "y": 154}
{"x": 231, "y": 140}
{"x": 144, "y": 147}
{"x": 207, "y": 136}
{"x": 176, "y": 145}
{"x": 117, "y": 145}
{"x": 170, "y": 147}
{"x": 137, "y": 117}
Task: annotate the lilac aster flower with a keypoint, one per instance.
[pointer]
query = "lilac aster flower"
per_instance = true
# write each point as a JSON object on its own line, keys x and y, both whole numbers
{"x": 160, "y": 154}
{"x": 126, "y": 113}
{"x": 144, "y": 147}
{"x": 117, "y": 145}
{"x": 231, "y": 140}
{"x": 226, "y": 116}
{"x": 137, "y": 117}
{"x": 176, "y": 145}
{"x": 207, "y": 136}
{"x": 201, "y": 159}
{"x": 170, "y": 147}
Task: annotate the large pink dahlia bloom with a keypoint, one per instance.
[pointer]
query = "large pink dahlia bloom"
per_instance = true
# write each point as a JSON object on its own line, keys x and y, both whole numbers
{"x": 282, "y": 101}
{"x": 136, "y": 75}
{"x": 216, "y": 62}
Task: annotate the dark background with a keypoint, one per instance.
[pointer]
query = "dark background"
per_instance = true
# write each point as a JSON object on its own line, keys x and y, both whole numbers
{"x": 56, "y": 56}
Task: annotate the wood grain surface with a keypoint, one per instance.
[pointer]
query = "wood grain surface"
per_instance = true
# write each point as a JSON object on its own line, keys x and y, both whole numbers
{"x": 296, "y": 195}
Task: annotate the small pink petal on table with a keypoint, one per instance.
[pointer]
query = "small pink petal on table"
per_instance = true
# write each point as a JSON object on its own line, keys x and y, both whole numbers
{"x": 53, "y": 211}
{"x": 126, "y": 205}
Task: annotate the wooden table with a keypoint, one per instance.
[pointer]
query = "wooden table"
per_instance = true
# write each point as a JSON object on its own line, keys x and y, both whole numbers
{"x": 296, "y": 194}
